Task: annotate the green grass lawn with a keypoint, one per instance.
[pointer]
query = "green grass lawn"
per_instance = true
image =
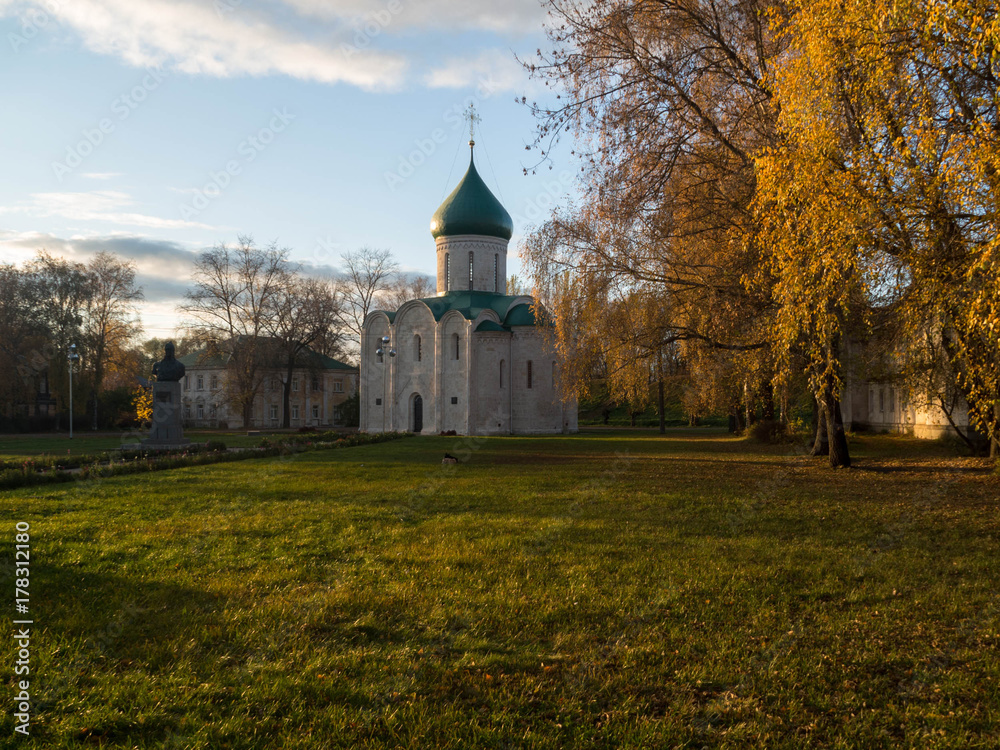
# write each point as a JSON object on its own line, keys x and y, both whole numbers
{"x": 607, "y": 590}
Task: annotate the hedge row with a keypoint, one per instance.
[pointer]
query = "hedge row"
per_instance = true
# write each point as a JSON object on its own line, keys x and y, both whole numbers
{"x": 26, "y": 475}
{"x": 49, "y": 463}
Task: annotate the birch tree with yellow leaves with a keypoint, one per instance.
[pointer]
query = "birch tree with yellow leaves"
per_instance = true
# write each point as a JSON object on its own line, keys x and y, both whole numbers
{"x": 884, "y": 185}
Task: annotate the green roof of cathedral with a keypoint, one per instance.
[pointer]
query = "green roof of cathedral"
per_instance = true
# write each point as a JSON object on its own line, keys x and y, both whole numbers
{"x": 490, "y": 326}
{"x": 522, "y": 315}
{"x": 469, "y": 303}
{"x": 472, "y": 209}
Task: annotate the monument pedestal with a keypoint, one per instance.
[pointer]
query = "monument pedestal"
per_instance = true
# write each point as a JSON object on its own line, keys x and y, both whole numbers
{"x": 167, "y": 432}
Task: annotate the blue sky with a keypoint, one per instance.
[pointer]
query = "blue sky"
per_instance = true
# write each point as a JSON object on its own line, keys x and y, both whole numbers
{"x": 157, "y": 128}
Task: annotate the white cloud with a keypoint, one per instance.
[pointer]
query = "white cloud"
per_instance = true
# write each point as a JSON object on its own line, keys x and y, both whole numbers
{"x": 98, "y": 205}
{"x": 198, "y": 38}
{"x": 507, "y": 16}
{"x": 164, "y": 268}
{"x": 101, "y": 175}
{"x": 490, "y": 71}
{"x": 328, "y": 41}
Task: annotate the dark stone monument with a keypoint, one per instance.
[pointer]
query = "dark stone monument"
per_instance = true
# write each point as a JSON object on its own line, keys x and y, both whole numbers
{"x": 167, "y": 432}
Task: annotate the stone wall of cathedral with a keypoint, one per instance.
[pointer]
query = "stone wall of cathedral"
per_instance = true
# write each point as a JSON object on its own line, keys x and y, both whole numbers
{"x": 470, "y": 382}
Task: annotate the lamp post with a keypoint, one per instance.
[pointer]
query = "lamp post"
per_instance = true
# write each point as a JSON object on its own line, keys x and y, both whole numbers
{"x": 380, "y": 353}
{"x": 71, "y": 358}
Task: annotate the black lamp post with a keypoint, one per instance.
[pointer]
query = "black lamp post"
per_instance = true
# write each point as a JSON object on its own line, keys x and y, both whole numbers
{"x": 380, "y": 353}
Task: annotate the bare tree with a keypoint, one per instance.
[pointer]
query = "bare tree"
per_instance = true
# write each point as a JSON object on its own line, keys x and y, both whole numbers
{"x": 236, "y": 291}
{"x": 370, "y": 272}
{"x": 305, "y": 312}
{"x": 111, "y": 320}
{"x": 406, "y": 288}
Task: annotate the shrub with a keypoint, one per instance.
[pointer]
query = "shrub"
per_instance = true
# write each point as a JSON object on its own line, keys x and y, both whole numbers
{"x": 215, "y": 446}
{"x": 769, "y": 431}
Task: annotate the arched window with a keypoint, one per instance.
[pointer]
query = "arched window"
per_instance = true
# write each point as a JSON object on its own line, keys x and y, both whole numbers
{"x": 529, "y": 373}
{"x": 455, "y": 339}
{"x": 470, "y": 269}
{"x": 447, "y": 272}
{"x": 501, "y": 373}
{"x": 417, "y": 348}
{"x": 496, "y": 273}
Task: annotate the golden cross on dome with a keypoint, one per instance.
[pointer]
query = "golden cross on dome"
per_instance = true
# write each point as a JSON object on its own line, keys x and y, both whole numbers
{"x": 473, "y": 118}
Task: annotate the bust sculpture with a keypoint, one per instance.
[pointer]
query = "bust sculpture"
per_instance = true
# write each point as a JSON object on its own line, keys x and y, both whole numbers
{"x": 168, "y": 369}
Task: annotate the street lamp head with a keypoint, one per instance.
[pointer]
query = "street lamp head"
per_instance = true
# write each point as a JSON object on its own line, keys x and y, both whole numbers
{"x": 379, "y": 352}
{"x": 385, "y": 341}
{"x": 392, "y": 352}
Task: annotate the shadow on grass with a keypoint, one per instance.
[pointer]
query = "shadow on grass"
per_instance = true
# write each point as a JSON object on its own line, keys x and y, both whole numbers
{"x": 102, "y": 629}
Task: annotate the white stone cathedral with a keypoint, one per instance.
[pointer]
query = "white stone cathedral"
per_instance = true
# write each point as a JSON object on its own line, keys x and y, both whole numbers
{"x": 472, "y": 359}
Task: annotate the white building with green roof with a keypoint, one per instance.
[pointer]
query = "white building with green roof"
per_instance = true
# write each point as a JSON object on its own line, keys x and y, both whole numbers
{"x": 473, "y": 359}
{"x": 318, "y": 388}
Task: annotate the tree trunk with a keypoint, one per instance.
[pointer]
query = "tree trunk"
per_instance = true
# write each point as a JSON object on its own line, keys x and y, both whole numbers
{"x": 840, "y": 457}
{"x": 663, "y": 416}
{"x": 821, "y": 437}
{"x": 767, "y": 397}
{"x": 995, "y": 433}
{"x": 248, "y": 414}
{"x": 98, "y": 381}
{"x": 92, "y": 408}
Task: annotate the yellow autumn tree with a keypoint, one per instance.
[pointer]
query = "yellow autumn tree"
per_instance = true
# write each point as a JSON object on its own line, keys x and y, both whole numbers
{"x": 142, "y": 402}
{"x": 883, "y": 187}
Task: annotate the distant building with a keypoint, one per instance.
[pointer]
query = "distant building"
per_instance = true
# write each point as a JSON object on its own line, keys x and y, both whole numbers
{"x": 875, "y": 398}
{"x": 473, "y": 359}
{"x": 885, "y": 406}
{"x": 320, "y": 385}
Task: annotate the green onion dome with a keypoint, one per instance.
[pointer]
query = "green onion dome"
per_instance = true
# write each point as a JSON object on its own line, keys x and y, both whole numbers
{"x": 472, "y": 209}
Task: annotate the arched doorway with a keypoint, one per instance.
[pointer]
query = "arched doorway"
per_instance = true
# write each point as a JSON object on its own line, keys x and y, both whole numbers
{"x": 418, "y": 413}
